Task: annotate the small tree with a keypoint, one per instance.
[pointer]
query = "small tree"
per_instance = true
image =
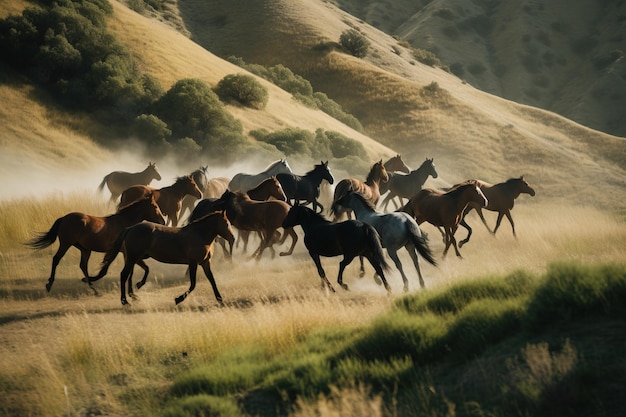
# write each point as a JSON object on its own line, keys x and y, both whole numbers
{"x": 244, "y": 89}
{"x": 354, "y": 42}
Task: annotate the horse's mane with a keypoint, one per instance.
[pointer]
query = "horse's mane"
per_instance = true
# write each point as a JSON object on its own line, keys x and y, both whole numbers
{"x": 128, "y": 206}
{"x": 370, "y": 175}
{"x": 457, "y": 187}
{"x": 205, "y": 217}
{"x": 362, "y": 199}
{"x": 273, "y": 164}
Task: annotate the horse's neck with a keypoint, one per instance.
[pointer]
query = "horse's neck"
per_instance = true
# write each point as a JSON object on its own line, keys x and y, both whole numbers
{"x": 177, "y": 189}
{"x": 372, "y": 179}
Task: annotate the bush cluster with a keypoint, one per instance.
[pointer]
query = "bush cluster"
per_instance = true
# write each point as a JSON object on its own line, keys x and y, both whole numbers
{"x": 354, "y": 42}
{"x": 243, "y": 89}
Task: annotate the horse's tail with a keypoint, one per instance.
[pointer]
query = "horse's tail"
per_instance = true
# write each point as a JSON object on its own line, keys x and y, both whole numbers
{"x": 375, "y": 245}
{"x": 421, "y": 243}
{"x": 110, "y": 256}
{"x": 45, "y": 239}
{"x": 104, "y": 181}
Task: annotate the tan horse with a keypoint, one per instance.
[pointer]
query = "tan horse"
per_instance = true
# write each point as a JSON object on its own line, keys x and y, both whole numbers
{"x": 501, "y": 198}
{"x": 216, "y": 187}
{"x": 445, "y": 209}
{"x": 92, "y": 233}
{"x": 370, "y": 189}
{"x": 168, "y": 198}
{"x": 118, "y": 181}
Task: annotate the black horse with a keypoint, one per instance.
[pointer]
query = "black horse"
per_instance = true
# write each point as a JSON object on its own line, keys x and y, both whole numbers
{"x": 306, "y": 188}
{"x": 406, "y": 186}
{"x": 350, "y": 238}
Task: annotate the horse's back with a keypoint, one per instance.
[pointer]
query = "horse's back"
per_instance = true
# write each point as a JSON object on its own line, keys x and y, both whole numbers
{"x": 216, "y": 187}
{"x": 136, "y": 192}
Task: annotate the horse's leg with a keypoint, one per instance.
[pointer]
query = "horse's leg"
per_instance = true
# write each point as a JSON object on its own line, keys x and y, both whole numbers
{"x": 393, "y": 254}
{"x": 361, "y": 267}
{"x": 508, "y": 216}
{"x": 469, "y": 232}
{"x": 294, "y": 239}
{"x": 193, "y": 269}
{"x": 85, "y": 254}
{"x": 146, "y": 270}
{"x": 321, "y": 272}
{"x": 206, "y": 266}
{"x": 413, "y": 254}
{"x": 126, "y": 272}
{"x": 453, "y": 242}
{"x": 55, "y": 262}
{"x": 342, "y": 265}
{"x": 386, "y": 200}
{"x": 482, "y": 217}
{"x": 379, "y": 271}
{"x": 500, "y": 216}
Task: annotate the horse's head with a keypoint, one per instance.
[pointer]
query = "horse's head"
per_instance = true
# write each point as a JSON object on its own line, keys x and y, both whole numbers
{"x": 275, "y": 189}
{"x": 381, "y": 171}
{"x": 431, "y": 167}
{"x": 189, "y": 185}
{"x": 524, "y": 187}
{"x": 151, "y": 210}
{"x": 152, "y": 170}
{"x": 395, "y": 163}
{"x": 325, "y": 171}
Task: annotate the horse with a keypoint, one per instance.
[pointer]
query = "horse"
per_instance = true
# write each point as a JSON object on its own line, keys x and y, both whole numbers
{"x": 369, "y": 189}
{"x": 118, "y": 181}
{"x": 93, "y": 233}
{"x": 445, "y": 209}
{"x": 259, "y": 216}
{"x": 168, "y": 198}
{"x": 216, "y": 187}
{"x": 350, "y": 238}
{"x": 406, "y": 186}
{"x": 191, "y": 245}
{"x": 393, "y": 165}
{"x": 268, "y": 188}
{"x": 244, "y": 182}
{"x": 501, "y": 198}
{"x": 199, "y": 176}
{"x": 306, "y": 188}
{"x": 396, "y": 230}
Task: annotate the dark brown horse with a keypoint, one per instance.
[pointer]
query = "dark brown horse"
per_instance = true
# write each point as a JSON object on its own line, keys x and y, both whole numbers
{"x": 406, "y": 186}
{"x": 191, "y": 245}
{"x": 369, "y": 189}
{"x": 118, "y": 181}
{"x": 501, "y": 198}
{"x": 92, "y": 233}
{"x": 259, "y": 216}
{"x": 393, "y": 165}
{"x": 199, "y": 176}
{"x": 168, "y": 198}
{"x": 445, "y": 209}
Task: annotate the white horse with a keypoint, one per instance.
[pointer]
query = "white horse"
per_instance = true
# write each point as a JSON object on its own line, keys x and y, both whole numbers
{"x": 244, "y": 182}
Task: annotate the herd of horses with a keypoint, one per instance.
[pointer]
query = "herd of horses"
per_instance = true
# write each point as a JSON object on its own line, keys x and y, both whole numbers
{"x": 146, "y": 222}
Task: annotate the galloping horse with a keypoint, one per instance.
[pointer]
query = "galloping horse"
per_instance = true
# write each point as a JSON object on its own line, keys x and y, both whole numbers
{"x": 244, "y": 182}
{"x": 406, "y": 186}
{"x": 191, "y": 245}
{"x": 118, "y": 181}
{"x": 306, "y": 187}
{"x": 393, "y": 165}
{"x": 168, "y": 198}
{"x": 501, "y": 198}
{"x": 259, "y": 216}
{"x": 368, "y": 189}
{"x": 445, "y": 209}
{"x": 199, "y": 176}
{"x": 350, "y": 238}
{"x": 397, "y": 230}
{"x": 92, "y": 233}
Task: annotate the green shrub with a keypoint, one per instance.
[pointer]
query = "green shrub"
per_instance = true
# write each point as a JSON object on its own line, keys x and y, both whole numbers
{"x": 354, "y": 42}
{"x": 203, "y": 406}
{"x": 426, "y": 57}
{"x": 149, "y": 127}
{"x": 243, "y": 89}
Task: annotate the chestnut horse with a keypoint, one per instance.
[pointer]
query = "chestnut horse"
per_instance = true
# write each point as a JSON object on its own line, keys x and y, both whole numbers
{"x": 501, "y": 198}
{"x": 92, "y": 233}
{"x": 191, "y": 245}
{"x": 369, "y": 189}
{"x": 259, "y": 216}
{"x": 445, "y": 209}
{"x": 118, "y": 181}
{"x": 406, "y": 186}
{"x": 168, "y": 198}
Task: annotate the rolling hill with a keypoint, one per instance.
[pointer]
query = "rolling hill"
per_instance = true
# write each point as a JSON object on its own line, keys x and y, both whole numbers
{"x": 404, "y": 106}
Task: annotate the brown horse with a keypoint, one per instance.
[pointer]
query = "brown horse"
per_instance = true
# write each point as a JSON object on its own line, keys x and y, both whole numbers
{"x": 118, "y": 181}
{"x": 92, "y": 233}
{"x": 191, "y": 245}
{"x": 393, "y": 164}
{"x": 445, "y": 209}
{"x": 168, "y": 198}
{"x": 370, "y": 189}
{"x": 259, "y": 216}
{"x": 501, "y": 198}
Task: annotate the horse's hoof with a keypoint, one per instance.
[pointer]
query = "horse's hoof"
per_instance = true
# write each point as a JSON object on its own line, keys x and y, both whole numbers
{"x": 125, "y": 302}
{"x": 377, "y": 280}
{"x": 85, "y": 280}
{"x": 406, "y": 288}
{"x": 140, "y": 284}
{"x": 179, "y": 300}
{"x": 361, "y": 274}
{"x": 345, "y": 287}
{"x": 134, "y": 297}
{"x": 48, "y": 286}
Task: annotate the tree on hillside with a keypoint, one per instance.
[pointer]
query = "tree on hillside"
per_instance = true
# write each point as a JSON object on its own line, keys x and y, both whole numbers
{"x": 354, "y": 42}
